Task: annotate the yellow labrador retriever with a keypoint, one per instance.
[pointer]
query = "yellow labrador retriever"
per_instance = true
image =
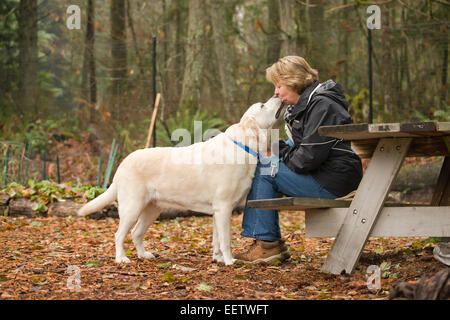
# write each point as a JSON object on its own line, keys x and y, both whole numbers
{"x": 211, "y": 177}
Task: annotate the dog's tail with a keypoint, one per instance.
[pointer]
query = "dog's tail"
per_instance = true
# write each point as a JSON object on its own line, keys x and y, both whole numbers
{"x": 101, "y": 201}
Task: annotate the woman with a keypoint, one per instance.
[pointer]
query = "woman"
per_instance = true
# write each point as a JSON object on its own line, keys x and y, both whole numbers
{"x": 309, "y": 165}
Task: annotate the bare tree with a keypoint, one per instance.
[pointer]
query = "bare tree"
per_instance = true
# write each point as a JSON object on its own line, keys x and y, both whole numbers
{"x": 28, "y": 57}
{"x": 195, "y": 56}
{"x": 274, "y": 40}
{"x": 119, "y": 54}
{"x": 89, "y": 81}
{"x": 222, "y": 31}
{"x": 290, "y": 26}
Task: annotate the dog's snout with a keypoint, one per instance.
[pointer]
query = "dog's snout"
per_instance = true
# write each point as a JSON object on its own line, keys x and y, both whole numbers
{"x": 277, "y": 115}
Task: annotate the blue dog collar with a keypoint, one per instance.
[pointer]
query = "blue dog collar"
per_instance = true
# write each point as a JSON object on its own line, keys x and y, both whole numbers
{"x": 244, "y": 147}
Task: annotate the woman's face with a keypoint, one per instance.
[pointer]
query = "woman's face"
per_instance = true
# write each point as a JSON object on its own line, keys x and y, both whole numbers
{"x": 288, "y": 96}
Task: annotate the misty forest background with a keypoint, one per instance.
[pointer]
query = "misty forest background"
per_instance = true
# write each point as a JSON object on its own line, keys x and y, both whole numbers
{"x": 93, "y": 84}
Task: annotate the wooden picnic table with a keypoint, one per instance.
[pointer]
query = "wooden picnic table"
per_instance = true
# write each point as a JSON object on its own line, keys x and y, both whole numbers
{"x": 352, "y": 222}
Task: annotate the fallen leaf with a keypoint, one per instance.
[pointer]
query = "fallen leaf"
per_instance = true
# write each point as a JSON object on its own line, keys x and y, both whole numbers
{"x": 168, "y": 277}
{"x": 93, "y": 263}
{"x": 182, "y": 268}
{"x": 203, "y": 287}
{"x": 164, "y": 265}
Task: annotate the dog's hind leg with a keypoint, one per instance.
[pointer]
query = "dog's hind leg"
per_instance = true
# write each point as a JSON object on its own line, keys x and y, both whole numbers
{"x": 125, "y": 225}
{"x": 131, "y": 205}
{"x": 222, "y": 222}
{"x": 148, "y": 215}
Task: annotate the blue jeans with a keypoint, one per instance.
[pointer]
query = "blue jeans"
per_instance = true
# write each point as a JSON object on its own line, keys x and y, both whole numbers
{"x": 262, "y": 224}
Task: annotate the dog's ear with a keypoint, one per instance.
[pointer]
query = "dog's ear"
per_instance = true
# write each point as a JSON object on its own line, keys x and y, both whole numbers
{"x": 252, "y": 131}
{"x": 249, "y": 126}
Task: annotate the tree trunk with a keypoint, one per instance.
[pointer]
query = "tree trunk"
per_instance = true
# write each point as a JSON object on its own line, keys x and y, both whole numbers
{"x": 444, "y": 87}
{"x": 119, "y": 55}
{"x": 174, "y": 57}
{"x": 290, "y": 25}
{"x": 28, "y": 57}
{"x": 195, "y": 57}
{"x": 318, "y": 28}
{"x": 344, "y": 49}
{"x": 90, "y": 55}
{"x": 222, "y": 29}
{"x": 274, "y": 41}
{"x": 89, "y": 76}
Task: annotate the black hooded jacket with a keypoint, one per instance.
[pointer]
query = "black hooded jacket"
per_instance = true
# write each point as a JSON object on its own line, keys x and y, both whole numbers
{"x": 330, "y": 161}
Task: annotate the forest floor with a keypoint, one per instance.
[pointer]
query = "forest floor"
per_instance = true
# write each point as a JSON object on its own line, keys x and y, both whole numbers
{"x": 41, "y": 258}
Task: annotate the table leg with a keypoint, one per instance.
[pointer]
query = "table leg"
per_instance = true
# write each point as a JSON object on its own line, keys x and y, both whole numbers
{"x": 441, "y": 196}
{"x": 367, "y": 204}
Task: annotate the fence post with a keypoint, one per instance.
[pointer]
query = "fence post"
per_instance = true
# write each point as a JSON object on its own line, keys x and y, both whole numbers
{"x": 44, "y": 173}
{"x": 27, "y": 166}
{"x": 57, "y": 168}
{"x": 99, "y": 168}
{"x": 6, "y": 167}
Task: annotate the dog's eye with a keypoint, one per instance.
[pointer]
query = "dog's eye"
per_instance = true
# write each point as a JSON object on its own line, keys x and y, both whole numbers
{"x": 262, "y": 105}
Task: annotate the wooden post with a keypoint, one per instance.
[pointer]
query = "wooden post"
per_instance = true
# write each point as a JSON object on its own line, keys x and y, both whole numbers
{"x": 154, "y": 85}
{"x": 152, "y": 122}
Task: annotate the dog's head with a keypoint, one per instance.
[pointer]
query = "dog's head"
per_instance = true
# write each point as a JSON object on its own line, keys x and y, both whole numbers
{"x": 254, "y": 124}
{"x": 264, "y": 114}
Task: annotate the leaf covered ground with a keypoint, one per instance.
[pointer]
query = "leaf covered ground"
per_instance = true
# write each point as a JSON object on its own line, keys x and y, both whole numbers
{"x": 41, "y": 258}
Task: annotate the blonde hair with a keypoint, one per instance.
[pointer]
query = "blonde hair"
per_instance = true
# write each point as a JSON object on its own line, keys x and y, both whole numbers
{"x": 293, "y": 72}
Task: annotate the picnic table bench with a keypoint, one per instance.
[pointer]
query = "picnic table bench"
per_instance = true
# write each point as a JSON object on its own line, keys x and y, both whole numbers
{"x": 351, "y": 222}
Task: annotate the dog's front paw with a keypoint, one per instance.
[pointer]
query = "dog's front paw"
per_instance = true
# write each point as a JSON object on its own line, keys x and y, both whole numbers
{"x": 122, "y": 260}
{"x": 230, "y": 262}
{"x": 218, "y": 259}
{"x": 146, "y": 255}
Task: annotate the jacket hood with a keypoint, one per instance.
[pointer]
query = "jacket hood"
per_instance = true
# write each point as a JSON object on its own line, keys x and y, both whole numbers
{"x": 328, "y": 89}
{"x": 333, "y": 91}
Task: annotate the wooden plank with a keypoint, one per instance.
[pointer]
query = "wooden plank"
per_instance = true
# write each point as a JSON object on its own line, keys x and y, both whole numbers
{"x": 297, "y": 203}
{"x": 443, "y": 127}
{"x": 420, "y": 147}
{"x": 301, "y": 204}
{"x": 348, "y": 129}
{"x": 271, "y": 203}
{"x": 366, "y": 206}
{"x": 384, "y": 127}
{"x": 418, "y": 127}
{"x": 392, "y": 222}
{"x": 385, "y": 130}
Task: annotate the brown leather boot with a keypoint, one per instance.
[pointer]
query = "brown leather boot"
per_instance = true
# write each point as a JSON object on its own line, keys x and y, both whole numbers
{"x": 264, "y": 251}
